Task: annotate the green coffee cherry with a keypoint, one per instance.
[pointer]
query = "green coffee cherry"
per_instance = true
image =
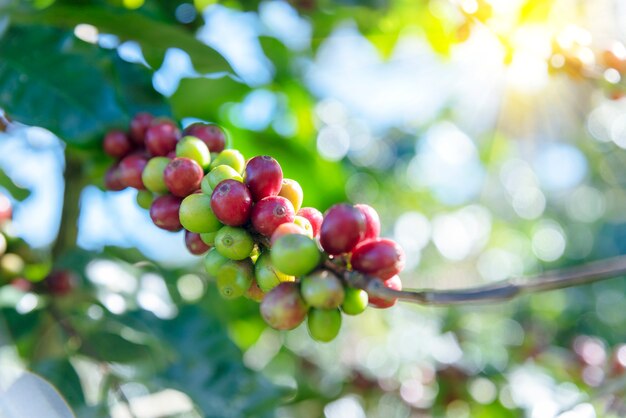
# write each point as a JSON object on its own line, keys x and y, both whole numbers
{"x": 267, "y": 276}
{"x": 355, "y": 301}
{"x": 234, "y": 278}
{"x": 234, "y": 243}
{"x": 144, "y": 199}
{"x": 205, "y": 186}
{"x": 322, "y": 290}
{"x": 152, "y": 175}
{"x": 295, "y": 254}
{"x": 232, "y": 158}
{"x": 324, "y": 324}
{"x": 209, "y": 237}
{"x": 196, "y": 215}
{"x": 194, "y": 149}
{"x": 221, "y": 173}
{"x": 213, "y": 260}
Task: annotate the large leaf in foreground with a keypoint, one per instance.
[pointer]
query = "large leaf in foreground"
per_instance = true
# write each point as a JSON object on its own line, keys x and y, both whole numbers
{"x": 208, "y": 368}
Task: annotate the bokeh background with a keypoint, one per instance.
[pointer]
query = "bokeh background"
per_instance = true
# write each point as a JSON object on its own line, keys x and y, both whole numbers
{"x": 488, "y": 134}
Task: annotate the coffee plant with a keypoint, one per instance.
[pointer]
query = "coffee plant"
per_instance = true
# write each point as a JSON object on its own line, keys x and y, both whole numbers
{"x": 248, "y": 219}
{"x": 312, "y": 208}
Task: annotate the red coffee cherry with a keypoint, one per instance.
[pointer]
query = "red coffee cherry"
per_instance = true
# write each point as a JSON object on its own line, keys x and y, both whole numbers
{"x": 138, "y": 127}
{"x": 112, "y": 179}
{"x": 372, "y": 221}
{"x": 377, "y": 302}
{"x": 263, "y": 176}
{"x": 382, "y": 258}
{"x": 117, "y": 144}
{"x": 231, "y": 202}
{"x": 270, "y": 212}
{"x": 182, "y": 176}
{"x": 314, "y": 216}
{"x": 194, "y": 244}
{"x": 60, "y": 282}
{"x": 130, "y": 170}
{"x": 164, "y": 212}
{"x": 161, "y": 137}
{"x": 212, "y": 135}
{"x": 343, "y": 228}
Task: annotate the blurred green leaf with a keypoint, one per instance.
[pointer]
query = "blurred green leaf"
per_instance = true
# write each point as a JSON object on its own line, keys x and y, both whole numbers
{"x": 208, "y": 367}
{"x": 15, "y": 326}
{"x": 62, "y": 375}
{"x": 203, "y": 97}
{"x": 112, "y": 347}
{"x": 17, "y": 192}
{"x": 153, "y": 35}
{"x": 49, "y": 78}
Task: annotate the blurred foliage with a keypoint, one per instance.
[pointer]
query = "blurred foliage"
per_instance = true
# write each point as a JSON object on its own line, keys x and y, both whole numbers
{"x": 105, "y": 343}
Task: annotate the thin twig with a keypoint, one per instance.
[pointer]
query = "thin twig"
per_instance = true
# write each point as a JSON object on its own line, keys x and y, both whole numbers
{"x": 497, "y": 292}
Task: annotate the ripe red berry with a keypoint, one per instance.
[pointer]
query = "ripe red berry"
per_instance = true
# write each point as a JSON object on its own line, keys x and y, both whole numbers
{"x": 314, "y": 216}
{"x": 6, "y": 210}
{"x": 117, "y": 144}
{"x": 60, "y": 282}
{"x": 283, "y": 308}
{"x": 138, "y": 127}
{"x": 231, "y": 202}
{"x": 164, "y": 212}
{"x": 382, "y": 258}
{"x": 130, "y": 170}
{"x": 212, "y": 135}
{"x": 263, "y": 176}
{"x": 372, "y": 221}
{"x": 194, "y": 244}
{"x": 270, "y": 212}
{"x": 112, "y": 180}
{"x": 377, "y": 302}
{"x": 182, "y": 176}
{"x": 161, "y": 137}
{"x": 343, "y": 228}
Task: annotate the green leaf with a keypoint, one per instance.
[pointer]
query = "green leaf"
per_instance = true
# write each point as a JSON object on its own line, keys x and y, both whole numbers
{"x": 208, "y": 367}
{"x": 15, "y": 326}
{"x": 17, "y": 192}
{"x": 62, "y": 375}
{"x": 76, "y": 90}
{"x": 202, "y": 97}
{"x": 112, "y": 347}
{"x": 153, "y": 36}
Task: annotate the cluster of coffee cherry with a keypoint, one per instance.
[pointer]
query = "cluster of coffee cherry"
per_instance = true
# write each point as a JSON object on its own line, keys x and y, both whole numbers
{"x": 21, "y": 267}
{"x": 259, "y": 242}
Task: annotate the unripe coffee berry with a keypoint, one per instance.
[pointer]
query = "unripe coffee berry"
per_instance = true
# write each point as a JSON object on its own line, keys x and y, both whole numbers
{"x": 283, "y": 308}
